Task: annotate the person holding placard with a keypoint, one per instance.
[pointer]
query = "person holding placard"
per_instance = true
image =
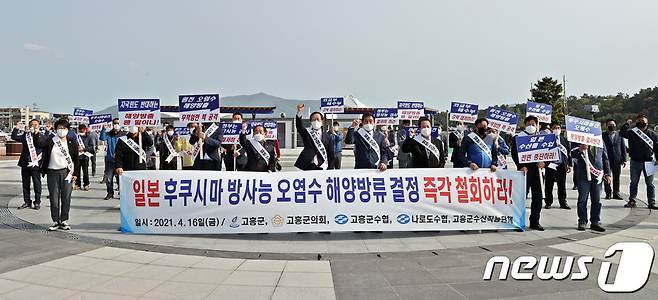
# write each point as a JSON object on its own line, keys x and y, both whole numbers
{"x": 556, "y": 171}
{"x": 643, "y": 150}
{"x": 337, "y": 144}
{"x": 168, "y": 154}
{"x": 533, "y": 177}
{"x": 616, "y": 147}
{"x": 260, "y": 155}
{"x": 60, "y": 160}
{"x": 208, "y": 158}
{"x": 111, "y": 138}
{"x": 234, "y": 155}
{"x": 128, "y": 155}
{"x": 369, "y": 152}
{"x": 592, "y": 167}
{"x": 404, "y": 158}
{"x": 318, "y": 152}
{"x": 425, "y": 151}
{"x": 87, "y": 150}
{"x": 454, "y": 142}
{"x": 474, "y": 153}
{"x": 493, "y": 138}
{"x": 30, "y": 160}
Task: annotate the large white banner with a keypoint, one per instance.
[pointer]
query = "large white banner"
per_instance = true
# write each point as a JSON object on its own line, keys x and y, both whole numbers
{"x": 192, "y": 202}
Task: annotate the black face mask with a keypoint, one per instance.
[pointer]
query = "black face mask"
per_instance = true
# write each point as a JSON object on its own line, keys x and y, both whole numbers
{"x": 612, "y": 127}
{"x": 482, "y": 130}
{"x": 640, "y": 124}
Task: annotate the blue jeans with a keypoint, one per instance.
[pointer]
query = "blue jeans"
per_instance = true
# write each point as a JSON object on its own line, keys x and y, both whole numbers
{"x": 589, "y": 189}
{"x": 109, "y": 174}
{"x": 637, "y": 168}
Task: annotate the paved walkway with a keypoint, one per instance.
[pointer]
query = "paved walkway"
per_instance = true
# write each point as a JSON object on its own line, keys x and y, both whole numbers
{"x": 95, "y": 261}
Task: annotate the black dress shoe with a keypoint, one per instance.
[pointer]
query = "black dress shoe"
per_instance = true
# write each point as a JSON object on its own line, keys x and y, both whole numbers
{"x": 617, "y": 197}
{"x": 630, "y": 204}
{"x": 547, "y": 206}
{"x": 596, "y": 227}
{"x": 37, "y": 206}
{"x": 653, "y": 206}
{"x": 581, "y": 227}
{"x": 607, "y": 197}
{"x": 565, "y": 206}
{"x": 108, "y": 197}
{"x": 25, "y": 205}
{"x": 537, "y": 227}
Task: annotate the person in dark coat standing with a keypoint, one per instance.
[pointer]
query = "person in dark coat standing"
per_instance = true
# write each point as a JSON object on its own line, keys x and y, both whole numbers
{"x": 616, "y": 147}
{"x": 210, "y": 159}
{"x": 234, "y": 155}
{"x": 369, "y": 152}
{"x": 164, "y": 149}
{"x": 425, "y": 151}
{"x": 87, "y": 150}
{"x": 261, "y": 156}
{"x": 30, "y": 160}
{"x": 318, "y": 152}
{"x": 454, "y": 141}
{"x": 643, "y": 150}
{"x": 125, "y": 157}
{"x": 592, "y": 167}
{"x": 556, "y": 171}
{"x": 60, "y": 160}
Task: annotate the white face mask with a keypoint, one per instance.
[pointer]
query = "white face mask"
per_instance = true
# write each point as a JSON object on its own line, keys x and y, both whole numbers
{"x": 237, "y": 121}
{"x": 368, "y": 127}
{"x": 134, "y": 129}
{"x": 116, "y": 126}
{"x": 426, "y": 132}
{"x": 259, "y": 137}
{"x": 491, "y": 136}
{"x": 62, "y": 132}
{"x": 460, "y": 127}
{"x": 336, "y": 128}
{"x": 170, "y": 132}
{"x": 316, "y": 124}
{"x": 83, "y": 133}
{"x": 531, "y": 129}
{"x": 557, "y": 131}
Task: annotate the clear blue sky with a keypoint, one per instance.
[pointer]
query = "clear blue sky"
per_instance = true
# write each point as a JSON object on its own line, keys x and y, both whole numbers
{"x": 62, "y": 54}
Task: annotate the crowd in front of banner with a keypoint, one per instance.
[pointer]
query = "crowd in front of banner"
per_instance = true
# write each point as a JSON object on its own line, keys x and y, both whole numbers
{"x": 544, "y": 151}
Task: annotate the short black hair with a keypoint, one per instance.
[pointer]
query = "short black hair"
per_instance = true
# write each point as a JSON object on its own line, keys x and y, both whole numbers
{"x": 169, "y": 127}
{"x": 365, "y": 115}
{"x": 641, "y": 116}
{"x": 259, "y": 125}
{"x": 530, "y": 118}
{"x": 317, "y": 112}
{"x": 479, "y": 120}
{"x": 82, "y": 126}
{"x": 38, "y": 121}
{"x": 421, "y": 119}
{"x": 115, "y": 119}
{"x": 555, "y": 123}
{"x": 336, "y": 123}
{"x": 608, "y": 120}
{"x": 62, "y": 122}
{"x": 237, "y": 113}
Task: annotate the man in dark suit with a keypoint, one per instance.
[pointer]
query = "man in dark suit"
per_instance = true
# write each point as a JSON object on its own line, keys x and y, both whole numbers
{"x": 455, "y": 141}
{"x": 210, "y": 159}
{"x": 614, "y": 143}
{"x": 127, "y": 159}
{"x": 556, "y": 171}
{"x": 30, "y": 161}
{"x": 404, "y": 159}
{"x": 369, "y": 152}
{"x": 425, "y": 151}
{"x": 260, "y": 155}
{"x": 318, "y": 152}
{"x": 234, "y": 156}
{"x": 591, "y": 168}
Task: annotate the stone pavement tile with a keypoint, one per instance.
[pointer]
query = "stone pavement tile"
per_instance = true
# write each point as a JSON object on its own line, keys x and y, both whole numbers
{"x": 429, "y": 292}
{"x": 74, "y": 262}
{"x": 181, "y": 290}
{"x": 110, "y": 267}
{"x": 397, "y": 264}
{"x": 38, "y": 292}
{"x": 10, "y": 285}
{"x": 253, "y": 278}
{"x": 292, "y": 279}
{"x": 322, "y": 266}
{"x": 100, "y": 296}
{"x": 298, "y": 293}
{"x": 126, "y": 286}
{"x": 363, "y": 280}
{"x": 441, "y": 261}
{"x": 219, "y": 263}
{"x": 487, "y": 290}
{"x": 177, "y": 260}
{"x": 106, "y": 252}
{"x": 194, "y": 275}
{"x": 242, "y": 292}
{"x": 582, "y": 294}
{"x": 381, "y": 293}
{"x": 459, "y": 274}
{"x": 140, "y": 257}
{"x": 57, "y": 278}
{"x": 410, "y": 277}
{"x": 262, "y": 265}
{"x": 154, "y": 272}
{"x": 353, "y": 266}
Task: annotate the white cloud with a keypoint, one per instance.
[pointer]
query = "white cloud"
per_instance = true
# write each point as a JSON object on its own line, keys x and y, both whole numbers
{"x": 34, "y": 47}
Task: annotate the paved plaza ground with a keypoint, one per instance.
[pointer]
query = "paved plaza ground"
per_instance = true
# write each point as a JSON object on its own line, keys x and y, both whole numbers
{"x": 95, "y": 261}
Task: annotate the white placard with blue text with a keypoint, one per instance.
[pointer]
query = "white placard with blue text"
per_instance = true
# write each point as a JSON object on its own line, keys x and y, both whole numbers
{"x": 410, "y": 110}
{"x": 231, "y": 133}
{"x": 139, "y": 112}
{"x": 536, "y": 148}
{"x": 502, "y": 120}
{"x": 334, "y": 105}
{"x": 199, "y": 108}
{"x": 542, "y": 111}
{"x": 97, "y": 122}
{"x": 463, "y": 112}
{"x": 385, "y": 116}
{"x": 584, "y": 131}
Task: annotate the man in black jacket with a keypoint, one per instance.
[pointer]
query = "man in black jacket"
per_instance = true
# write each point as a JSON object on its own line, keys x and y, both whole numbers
{"x": 60, "y": 160}
{"x": 454, "y": 141}
{"x": 30, "y": 160}
{"x": 614, "y": 143}
{"x": 260, "y": 155}
{"x": 211, "y": 136}
{"x": 167, "y": 140}
{"x": 556, "y": 171}
{"x": 425, "y": 151}
{"x": 87, "y": 150}
{"x": 127, "y": 154}
{"x": 643, "y": 149}
{"x": 234, "y": 156}
{"x": 318, "y": 152}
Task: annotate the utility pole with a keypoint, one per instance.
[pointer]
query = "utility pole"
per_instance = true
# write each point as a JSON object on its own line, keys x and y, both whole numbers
{"x": 564, "y": 94}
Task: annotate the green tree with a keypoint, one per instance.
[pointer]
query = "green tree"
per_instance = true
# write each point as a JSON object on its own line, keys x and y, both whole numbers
{"x": 549, "y": 91}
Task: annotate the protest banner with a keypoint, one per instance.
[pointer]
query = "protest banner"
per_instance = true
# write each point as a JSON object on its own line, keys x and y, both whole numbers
{"x": 199, "y": 108}
{"x": 542, "y": 111}
{"x": 270, "y": 127}
{"x": 583, "y": 131}
{"x": 536, "y": 148}
{"x": 410, "y": 110}
{"x": 96, "y": 122}
{"x": 81, "y": 115}
{"x": 189, "y": 202}
{"x": 463, "y": 112}
{"x": 180, "y": 128}
{"x": 502, "y": 120}
{"x": 332, "y": 105}
{"x": 139, "y": 112}
{"x": 385, "y": 116}
{"x": 231, "y": 133}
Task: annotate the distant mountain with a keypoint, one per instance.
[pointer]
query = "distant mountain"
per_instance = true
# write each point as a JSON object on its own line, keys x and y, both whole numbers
{"x": 285, "y": 106}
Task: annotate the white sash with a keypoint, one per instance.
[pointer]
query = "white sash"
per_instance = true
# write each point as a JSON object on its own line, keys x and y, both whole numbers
{"x": 592, "y": 170}
{"x": 458, "y": 134}
{"x": 65, "y": 151}
{"x": 371, "y": 141}
{"x": 319, "y": 146}
{"x": 172, "y": 151}
{"x": 82, "y": 148}
{"x": 197, "y": 146}
{"x": 428, "y": 145}
{"x": 562, "y": 148}
{"x": 134, "y": 146}
{"x": 644, "y": 137}
{"x": 260, "y": 149}
{"x": 34, "y": 158}
{"x": 478, "y": 141}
